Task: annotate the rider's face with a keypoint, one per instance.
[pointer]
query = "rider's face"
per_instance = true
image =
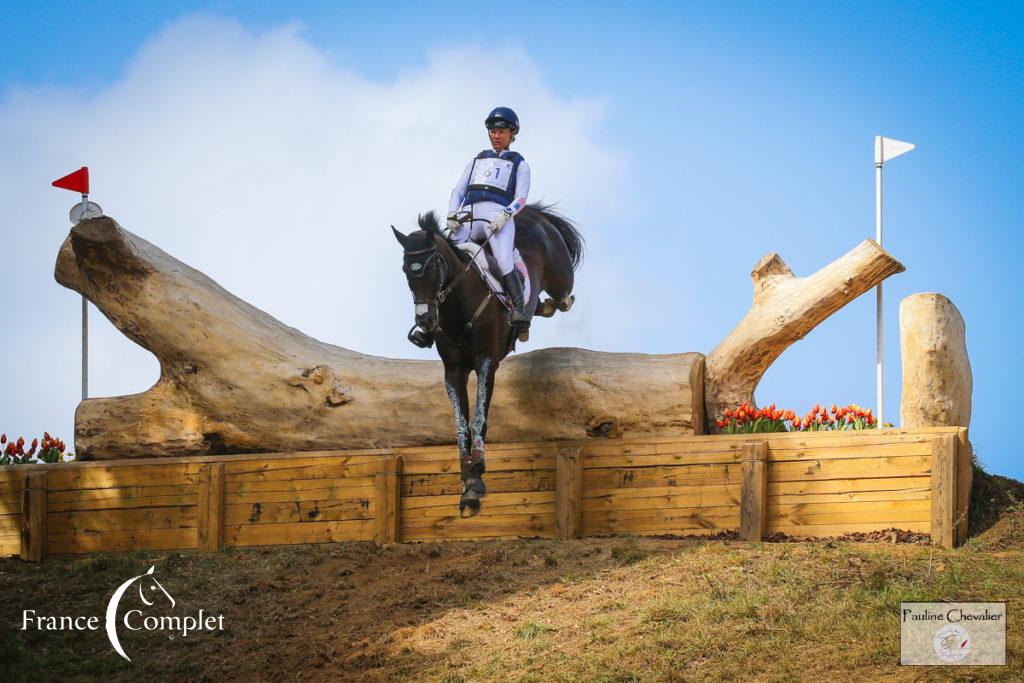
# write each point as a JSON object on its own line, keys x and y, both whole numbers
{"x": 501, "y": 138}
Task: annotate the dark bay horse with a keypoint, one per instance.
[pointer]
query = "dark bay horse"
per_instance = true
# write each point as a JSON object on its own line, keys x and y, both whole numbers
{"x": 471, "y": 327}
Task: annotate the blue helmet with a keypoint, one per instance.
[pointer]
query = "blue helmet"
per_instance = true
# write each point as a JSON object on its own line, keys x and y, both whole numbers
{"x": 503, "y": 117}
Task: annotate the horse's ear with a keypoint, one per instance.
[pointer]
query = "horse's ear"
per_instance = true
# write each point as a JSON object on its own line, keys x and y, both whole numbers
{"x": 399, "y": 236}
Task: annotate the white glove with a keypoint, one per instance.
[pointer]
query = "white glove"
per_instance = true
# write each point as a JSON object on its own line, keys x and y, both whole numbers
{"x": 453, "y": 224}
{"x": 500, "y": 219}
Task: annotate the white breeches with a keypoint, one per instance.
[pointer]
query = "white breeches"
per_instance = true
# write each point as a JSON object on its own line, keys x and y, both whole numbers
{"x": 501, "y": 243}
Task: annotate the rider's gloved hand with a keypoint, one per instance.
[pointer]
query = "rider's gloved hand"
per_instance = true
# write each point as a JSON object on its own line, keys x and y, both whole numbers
{"x": 500, "y": 219}
{"x": 453, "y": 224}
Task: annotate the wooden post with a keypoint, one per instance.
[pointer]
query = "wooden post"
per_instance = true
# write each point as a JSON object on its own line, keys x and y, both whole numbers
{"x": 33, "y": 517}
{"x": 387, "y": 490}
{"x": 944, "y": 463}
{"x": 964, "y": 481}
{"x": 754, "y": 492}
{"x": 211, "y": 507}
{"x": 569, "y": 493}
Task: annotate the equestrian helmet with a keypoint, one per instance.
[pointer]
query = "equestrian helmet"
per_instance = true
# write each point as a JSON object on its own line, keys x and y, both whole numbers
{"x": 503, "y": 117}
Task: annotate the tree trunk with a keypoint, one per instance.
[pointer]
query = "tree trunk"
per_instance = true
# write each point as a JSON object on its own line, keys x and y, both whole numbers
{"x": 234, "y": 379}
{"x": 785, "y": 309}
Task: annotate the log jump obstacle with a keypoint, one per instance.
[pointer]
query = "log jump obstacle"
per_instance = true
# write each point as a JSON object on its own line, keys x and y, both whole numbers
{"x": 801, "y": 484}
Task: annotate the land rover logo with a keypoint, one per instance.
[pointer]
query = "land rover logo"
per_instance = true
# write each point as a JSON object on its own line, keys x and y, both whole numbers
{"x": 416, "y": 266}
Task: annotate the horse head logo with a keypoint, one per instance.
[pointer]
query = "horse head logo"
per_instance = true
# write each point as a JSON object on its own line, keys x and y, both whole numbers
{"x": 149, "y": 591}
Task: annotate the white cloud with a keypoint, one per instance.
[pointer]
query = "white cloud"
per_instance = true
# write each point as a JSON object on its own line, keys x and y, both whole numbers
{"x": 256, "y": 159}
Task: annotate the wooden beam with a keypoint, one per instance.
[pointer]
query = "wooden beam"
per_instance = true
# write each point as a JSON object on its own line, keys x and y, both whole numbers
{"x": 944, "y": 462}
{"x": 387, "y": 489}
{"x": 569, "y": 493}
{"x": 964, "y": 481}
{"x": 33, "y": 517}
{"x": 754, "y": 492}
{"x": 210, "y": 512}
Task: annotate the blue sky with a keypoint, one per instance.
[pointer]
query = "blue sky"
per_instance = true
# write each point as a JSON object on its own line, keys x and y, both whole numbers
{"x": 689, "y": 138}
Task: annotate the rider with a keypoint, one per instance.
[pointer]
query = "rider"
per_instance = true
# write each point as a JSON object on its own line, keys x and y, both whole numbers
{"x": 493, "y": 189}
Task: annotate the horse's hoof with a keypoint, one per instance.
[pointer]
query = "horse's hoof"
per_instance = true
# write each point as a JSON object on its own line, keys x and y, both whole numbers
{"x": 474, "y": 488}
{"x": 565, "y": 304}
{"x": 546, "y": 308}
{"x": 469, "y": 508}
{"x": 524, "y": 334}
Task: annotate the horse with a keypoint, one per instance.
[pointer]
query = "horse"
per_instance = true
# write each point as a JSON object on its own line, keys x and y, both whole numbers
{"x": 470, "y": 325}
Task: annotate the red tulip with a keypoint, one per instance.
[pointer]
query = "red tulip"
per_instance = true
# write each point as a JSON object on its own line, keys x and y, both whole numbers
{"x": 3, "y": 438}
{"x": 728, "y": 413}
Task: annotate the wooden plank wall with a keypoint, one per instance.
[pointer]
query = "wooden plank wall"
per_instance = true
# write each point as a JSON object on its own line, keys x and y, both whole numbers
{"x": 520, "y": 498}
{"x": 817, "y": 484}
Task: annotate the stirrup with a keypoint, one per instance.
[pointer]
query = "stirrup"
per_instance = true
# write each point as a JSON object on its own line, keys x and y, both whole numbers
{"x": 420, "y": 337}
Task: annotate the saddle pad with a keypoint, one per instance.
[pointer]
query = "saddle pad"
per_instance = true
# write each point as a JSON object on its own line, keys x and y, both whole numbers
{"x": 480, "y": 265}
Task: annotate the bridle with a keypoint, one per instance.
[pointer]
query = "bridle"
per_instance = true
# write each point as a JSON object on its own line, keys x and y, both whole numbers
{"x": 418, "y": 269}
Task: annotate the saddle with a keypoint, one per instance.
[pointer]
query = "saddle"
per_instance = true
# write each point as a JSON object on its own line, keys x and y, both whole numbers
{"x": 486, "y": 265}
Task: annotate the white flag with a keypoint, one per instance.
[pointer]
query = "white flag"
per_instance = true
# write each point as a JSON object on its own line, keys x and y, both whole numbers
{"x": 888, "y": 148}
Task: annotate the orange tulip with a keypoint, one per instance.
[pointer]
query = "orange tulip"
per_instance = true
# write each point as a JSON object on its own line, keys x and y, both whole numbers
{"x": 728, "y": 413}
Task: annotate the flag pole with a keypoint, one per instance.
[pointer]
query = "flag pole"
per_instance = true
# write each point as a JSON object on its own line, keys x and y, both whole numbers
{"x": 78, "y": 181}
{"x": 878, "y": 293}
{"x": 85, "y": 324}
{"x": 883, "y": 152}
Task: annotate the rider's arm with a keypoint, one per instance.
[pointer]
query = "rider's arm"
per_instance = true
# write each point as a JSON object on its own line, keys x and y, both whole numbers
{"x": 459, "y": 193}
{"x": 522, "y": 188}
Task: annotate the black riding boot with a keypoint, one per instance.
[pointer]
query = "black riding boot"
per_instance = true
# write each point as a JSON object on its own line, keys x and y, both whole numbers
{"x": 517, "y": 318}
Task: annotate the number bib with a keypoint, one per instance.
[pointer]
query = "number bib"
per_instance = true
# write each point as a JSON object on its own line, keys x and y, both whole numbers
{"x": 491, "y": 173}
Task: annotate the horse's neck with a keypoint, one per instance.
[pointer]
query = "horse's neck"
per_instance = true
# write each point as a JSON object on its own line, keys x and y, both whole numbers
{"x": 469, "y": 288}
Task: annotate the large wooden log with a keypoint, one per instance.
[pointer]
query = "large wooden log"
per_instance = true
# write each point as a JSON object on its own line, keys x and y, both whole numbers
{"x": 234, "y": 379}
{"x": 784, "y": 310}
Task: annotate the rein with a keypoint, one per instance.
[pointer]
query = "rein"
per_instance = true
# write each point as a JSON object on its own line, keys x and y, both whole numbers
{"x": 444, "y": 290}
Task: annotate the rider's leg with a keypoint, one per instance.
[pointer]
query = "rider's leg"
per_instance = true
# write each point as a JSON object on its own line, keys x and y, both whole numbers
{"x": 460, "y": 235}
{"x": 503, "y": 242}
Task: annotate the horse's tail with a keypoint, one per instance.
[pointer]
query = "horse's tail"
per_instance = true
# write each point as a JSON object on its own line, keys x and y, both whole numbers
{"x": 567, "y": 229}
{"x": 429, "y": 222}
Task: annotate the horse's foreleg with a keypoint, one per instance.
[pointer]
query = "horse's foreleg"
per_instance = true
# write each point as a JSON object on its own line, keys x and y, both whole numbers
{"x": 484, "y": 389}
{"x": 455, "y": 386}
{"x": 472, "y": 485}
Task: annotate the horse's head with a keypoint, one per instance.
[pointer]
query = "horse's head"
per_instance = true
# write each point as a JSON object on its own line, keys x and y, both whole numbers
{"x": 424, "y": 268}
{"x": 148, "y": 585}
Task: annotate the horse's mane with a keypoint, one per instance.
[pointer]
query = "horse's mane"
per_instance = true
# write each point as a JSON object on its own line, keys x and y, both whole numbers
{"x": 430, "y": 222}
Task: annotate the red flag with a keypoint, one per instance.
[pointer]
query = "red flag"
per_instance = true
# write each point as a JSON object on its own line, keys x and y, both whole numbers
{"x": 76, "y": 182}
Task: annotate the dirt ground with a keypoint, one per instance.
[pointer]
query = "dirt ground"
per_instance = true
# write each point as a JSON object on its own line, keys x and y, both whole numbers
{"x": 598, "y": 609}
